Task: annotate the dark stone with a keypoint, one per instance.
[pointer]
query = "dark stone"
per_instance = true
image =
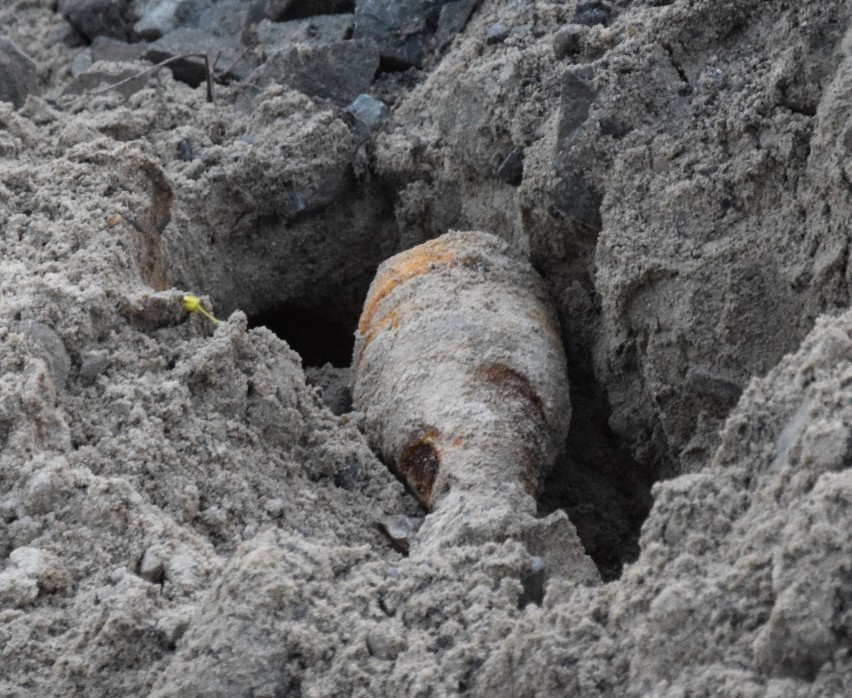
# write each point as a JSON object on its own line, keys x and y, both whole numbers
{"x": 299, "y": 205}
{"x": 349, "y": 476}
{"x": 283, "y": 10}
{"x": 184, "y": 150}
{"x": 452, "y": 20}
{"x": 575, "y": 101}
{"x": 18, "y": 75}
{"x": 496, "y": 34}
{"x": 611, "y": 127}
{"x": 574, "y": 198}
{"x": 324, "y": 29}
{"x": 511, "y": 170}
{"x": 94, "y": 18}
{"x": 592, "y": 13}
{"x": 338, "y": 71}
{"x": 230, "y": 18}
{"x": 568, "y": 41}
{"x": 225, "y": 55}
{"x": 403, "y": 29}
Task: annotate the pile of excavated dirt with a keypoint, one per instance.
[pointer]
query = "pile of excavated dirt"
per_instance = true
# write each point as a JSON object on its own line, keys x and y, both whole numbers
{"x": 191, "y": 509}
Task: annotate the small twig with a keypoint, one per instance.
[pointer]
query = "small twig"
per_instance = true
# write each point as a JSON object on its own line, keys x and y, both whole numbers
{"x": 161, "y": 64}
{"x": 209, "y": 77}
{"x": 234, "y": 63}
{"x": 216, "y": 60}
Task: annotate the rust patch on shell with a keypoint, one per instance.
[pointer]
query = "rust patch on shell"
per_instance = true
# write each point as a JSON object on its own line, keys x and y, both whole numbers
{"x": 406, "y": 265}
{"x": 419, "y": 464}
{"x": 390, "y": 319}
{"x": 530, "y": 466}
{"x": 509, "y": 380}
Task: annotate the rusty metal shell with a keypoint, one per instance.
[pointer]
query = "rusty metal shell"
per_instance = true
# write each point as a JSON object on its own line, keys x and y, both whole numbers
{"x": 459, "y": 368}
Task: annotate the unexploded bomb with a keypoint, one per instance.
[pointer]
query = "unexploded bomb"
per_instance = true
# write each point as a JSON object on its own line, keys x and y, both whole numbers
{"x": 459, "y": 368}
{"x": 461, "y": 376}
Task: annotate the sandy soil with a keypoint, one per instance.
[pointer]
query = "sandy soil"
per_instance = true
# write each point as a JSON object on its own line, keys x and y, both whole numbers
{"x": 181, "y": 514}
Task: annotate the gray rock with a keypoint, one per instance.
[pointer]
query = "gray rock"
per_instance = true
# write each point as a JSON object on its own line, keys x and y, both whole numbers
{"x": 323, "y": 29}
{"x": 105, "y": 48}
{"x": 511, "y": 170}
{"x": 568, "y": 40}
{"x": 100, "y": 18}
{"x": 592, "y": 13}
{"x": 575, "y": 102}
{"x": 160, "y": 17}
{"x": 451, "y": 21}
{"x": 338, "y": 71}
{"x": 577, "y": 199}
{"x": 496, "y": 34}
{"x": 50, "y": 346}
{"x": 401, "y": 29}
{"x": 297, "y": 204}
{"x": 573, "y": 195}
{"x": 18, "y": 76}
{"x": 400, "y": 529}
{"x": 371, "y": 112}
{"x": 230, "y": 17}
{"x": 94, "y": 364}
{"x": 184, "y": 150}
{"x": 81, "y": 63}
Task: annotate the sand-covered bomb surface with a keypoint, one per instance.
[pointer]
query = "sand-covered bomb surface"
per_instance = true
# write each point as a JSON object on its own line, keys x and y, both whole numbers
{"x": 194, "y": 509}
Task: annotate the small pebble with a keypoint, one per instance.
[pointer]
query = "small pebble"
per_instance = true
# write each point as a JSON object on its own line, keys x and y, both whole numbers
{"x": 368, "y": 110}
{"x": 496, "y": 34}
{"x": 568, "y": 41}
{"x": 592, "y": 13}
{"x": 93, "y": 365}
{"x": 152, "y": 566}
{"x": 81, "y": 63}
{"x": 400, "y": 529}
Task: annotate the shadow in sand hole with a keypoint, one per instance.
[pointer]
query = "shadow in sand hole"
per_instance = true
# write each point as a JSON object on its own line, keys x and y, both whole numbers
{"x": 318, "y": 335}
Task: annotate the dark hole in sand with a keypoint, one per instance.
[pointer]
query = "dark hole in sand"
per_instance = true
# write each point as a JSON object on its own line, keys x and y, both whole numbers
{"x": 315, "y": 331}
{"x": 300, "y": 9}
{"x": 596, "y": 481}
